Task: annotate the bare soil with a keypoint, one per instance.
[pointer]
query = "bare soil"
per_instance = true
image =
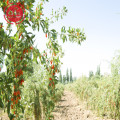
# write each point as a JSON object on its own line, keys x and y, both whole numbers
{"x": 70, "y": 108}
{"x": 3, "y": 116}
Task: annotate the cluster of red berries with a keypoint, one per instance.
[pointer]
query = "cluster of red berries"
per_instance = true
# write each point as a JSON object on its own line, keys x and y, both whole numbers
{"x": 26, "y": 50}
{"x": 16, "y": 97}
{"x": 18, "y": 73}
{"x": 51, "y": 83}
{"x": 7, "y": 1}
{"x": 53, "y": 73}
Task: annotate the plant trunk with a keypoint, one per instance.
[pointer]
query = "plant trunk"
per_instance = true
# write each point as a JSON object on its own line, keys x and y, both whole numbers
{"x": 37, "y": 107}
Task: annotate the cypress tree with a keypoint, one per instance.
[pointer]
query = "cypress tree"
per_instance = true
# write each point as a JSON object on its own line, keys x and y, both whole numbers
{"x": 67, "y": 75}
{"x": 71, "y": 80}
{"x": 91, "y": 74}
{"x": 64, "y": 79}
{"x": 98, "y": 71}
{"x": 60, "y": 77}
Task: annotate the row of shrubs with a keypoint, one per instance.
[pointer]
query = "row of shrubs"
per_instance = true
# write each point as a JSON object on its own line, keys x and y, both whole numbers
{"x": 101, "y": 95}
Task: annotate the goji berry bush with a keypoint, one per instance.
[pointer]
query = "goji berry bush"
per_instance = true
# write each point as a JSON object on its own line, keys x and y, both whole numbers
{"x": 19, "y": 51}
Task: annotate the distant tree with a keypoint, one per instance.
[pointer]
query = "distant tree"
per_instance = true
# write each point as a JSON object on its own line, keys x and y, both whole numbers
{"x": 67, "y": 75}
{"x": 64, "y": 79}
{"x": 91, "y": 74}
{"x": 60, "y": 77}
{"x": 74, "y": 79}
{"x": 71, "y": 79}
{"x": 98, "y": 71}
{"x": 115, "y": 64}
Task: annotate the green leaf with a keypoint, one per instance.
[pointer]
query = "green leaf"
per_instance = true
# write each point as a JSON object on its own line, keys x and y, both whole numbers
{"x": 64, "y": 38}
{"x": 38, "y": 27}
{"x": 26, "y": 21}
{"x": 11, "y": 116}
{"x": 9, "y": 56}
{"x": 22, "y": 109}
{"x": 1, "y": 103}
{"x": 8, "y": 108}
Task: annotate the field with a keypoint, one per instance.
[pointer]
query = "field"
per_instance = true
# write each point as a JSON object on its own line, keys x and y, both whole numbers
{"x": 101, "y": 95}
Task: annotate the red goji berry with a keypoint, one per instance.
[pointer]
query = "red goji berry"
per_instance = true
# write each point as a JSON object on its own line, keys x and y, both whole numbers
{"x": 54, "y": 54}
{"x": 7, "y": 2}
{"x": 51, "y": 61}
{"x": 31, "y": 47}
{"x": 18, "y": 92}
{"x": 40, "y": 13}
{"x": 46, "y": 35}
{"x": 21, "y": 58}
{"x": 52, "y": 67}
{"x": 26, "y": 51}
{"x": 12, "y": 99}
{"x": 11, "y": 106}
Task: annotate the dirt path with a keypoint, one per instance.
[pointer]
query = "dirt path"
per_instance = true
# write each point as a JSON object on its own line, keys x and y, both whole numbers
{"x": 69, "y": 108}
{"x": 3, "y": 116}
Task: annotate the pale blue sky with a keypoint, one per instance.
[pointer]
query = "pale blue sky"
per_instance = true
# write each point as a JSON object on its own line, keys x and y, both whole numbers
{"x": 101, "y": 23}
